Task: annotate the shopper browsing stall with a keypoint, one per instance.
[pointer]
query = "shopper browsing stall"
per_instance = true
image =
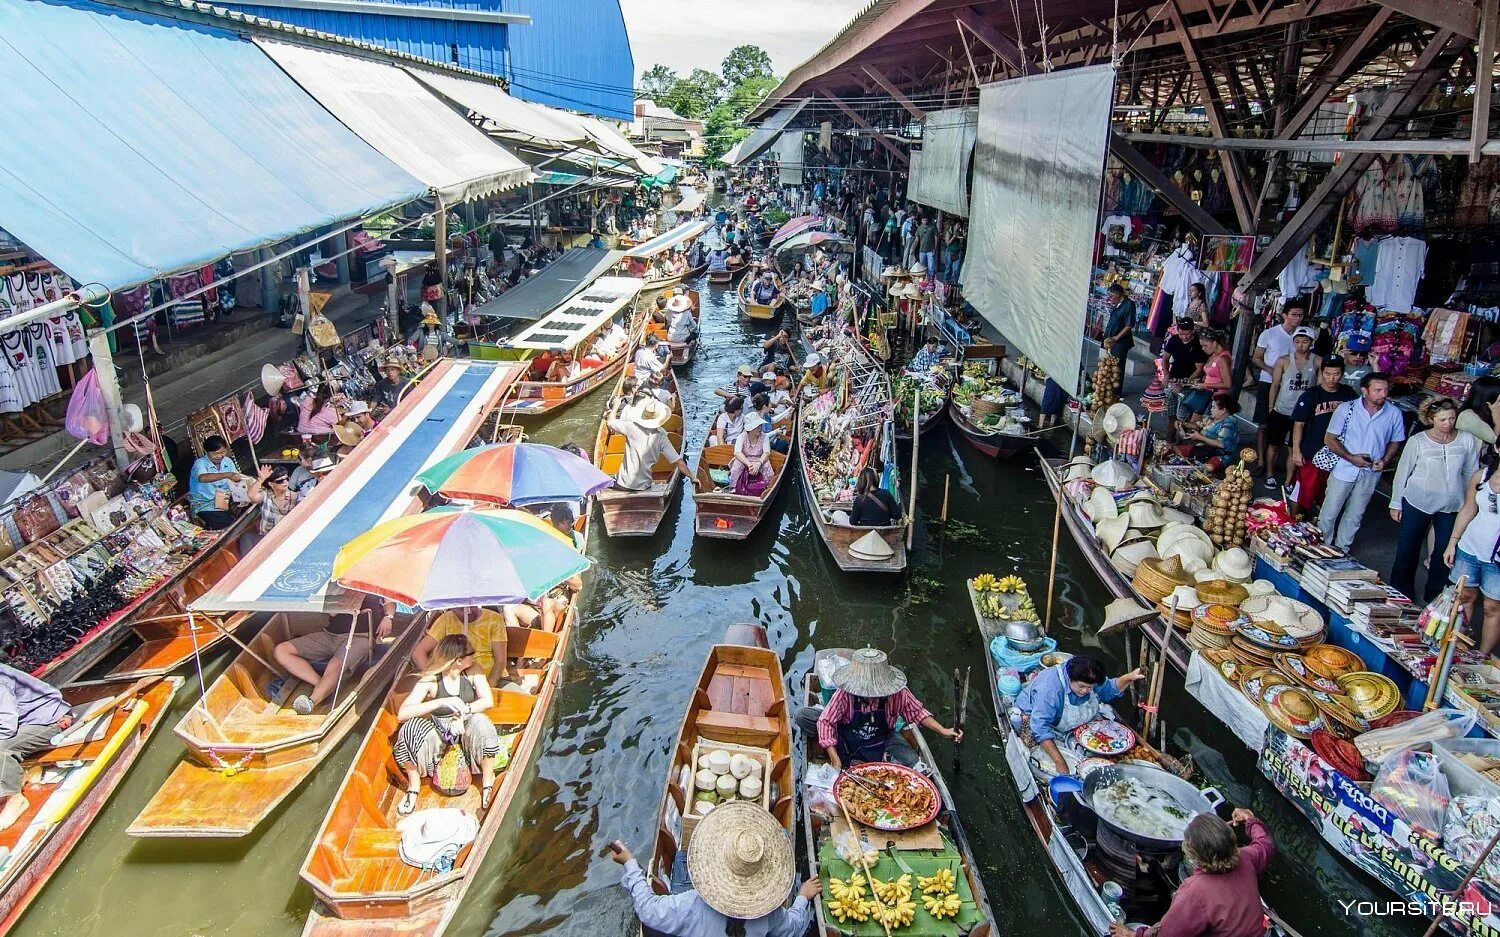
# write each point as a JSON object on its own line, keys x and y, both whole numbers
{"x": 1471, "y": 552}
{"x": 1310, "y": 418}
{"x": 1273, "y": 344}
{"x": 212, "y": 484}
{"x": 1365, "y": 435}
{"x": 1214, "y": 379}
{"x": 1182, "y": 359}
{"x": 1427, "y": 492}
{"x": 1290, "y": 379}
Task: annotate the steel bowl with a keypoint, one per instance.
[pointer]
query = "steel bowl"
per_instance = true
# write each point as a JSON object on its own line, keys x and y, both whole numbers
{"x": 1185, "y": 795}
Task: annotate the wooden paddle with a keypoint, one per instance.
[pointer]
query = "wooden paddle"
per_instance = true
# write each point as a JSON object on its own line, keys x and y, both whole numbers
{"x": 864, "y": 863}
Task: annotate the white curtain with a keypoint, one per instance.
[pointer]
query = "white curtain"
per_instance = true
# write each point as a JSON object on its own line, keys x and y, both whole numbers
{"x": 789, "y": 156}
{"x": 1038, "y": 168}
{"x": 939, "y": 171}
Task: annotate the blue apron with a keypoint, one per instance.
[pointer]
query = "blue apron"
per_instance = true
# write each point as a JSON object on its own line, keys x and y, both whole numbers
{"x": 865, "y": 736}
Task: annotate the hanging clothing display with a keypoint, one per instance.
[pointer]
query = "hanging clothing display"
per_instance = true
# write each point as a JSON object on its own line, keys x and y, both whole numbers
{"x": 1366, "y": 258}
{"x": 1398, "y": 269}
{"x": 1375, "y": 196}
{"x": 1475, "y": 193}
{"x": 1414, "y": 172}
{"x": 1178, "y": 272}
{"x": 1297, "y": 276}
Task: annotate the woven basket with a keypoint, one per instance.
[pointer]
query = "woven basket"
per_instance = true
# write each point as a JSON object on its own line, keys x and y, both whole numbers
{"x": 979, "y": 408}
{"x": 1222, "y": 592}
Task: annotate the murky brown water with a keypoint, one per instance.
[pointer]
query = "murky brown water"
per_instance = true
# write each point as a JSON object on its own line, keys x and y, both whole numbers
{"x": 652, "y": 610}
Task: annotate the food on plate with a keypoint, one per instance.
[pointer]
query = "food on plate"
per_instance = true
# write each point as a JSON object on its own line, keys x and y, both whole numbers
{"x": 887, "y": 797}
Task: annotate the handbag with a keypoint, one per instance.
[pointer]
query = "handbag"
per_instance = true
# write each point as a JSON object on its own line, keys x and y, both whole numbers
{"x": 1325, "y": 459}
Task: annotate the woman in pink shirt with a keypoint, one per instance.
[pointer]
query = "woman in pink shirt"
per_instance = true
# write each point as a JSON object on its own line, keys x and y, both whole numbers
{"x": 1222, "y": 896}
{"x": 317, "y": 414}
{"x": 1216, "y": 371}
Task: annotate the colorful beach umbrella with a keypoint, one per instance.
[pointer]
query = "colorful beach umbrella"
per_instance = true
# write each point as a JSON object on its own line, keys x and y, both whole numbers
{"x": 796, "y": 225}
{"x": 810, "y": 239}
{"x": 514, "y": 473}
{"x": 452, "y": 558}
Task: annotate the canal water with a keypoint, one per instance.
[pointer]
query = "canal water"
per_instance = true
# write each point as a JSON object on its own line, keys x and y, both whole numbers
{"x": 652, "y": 610}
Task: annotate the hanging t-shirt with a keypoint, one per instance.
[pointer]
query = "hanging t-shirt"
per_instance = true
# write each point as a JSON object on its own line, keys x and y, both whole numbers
{"x": 1398, "y": 269}
{"x": 1296, "y": 277}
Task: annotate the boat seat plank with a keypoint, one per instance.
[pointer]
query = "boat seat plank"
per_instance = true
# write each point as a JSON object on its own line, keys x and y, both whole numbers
{"x": 737, "y": 688}
{"x": 737, "y": 728}
{"x": 530, "y": 642}
{"x": 511, "y": 708}
{"x": 200, "y": 801}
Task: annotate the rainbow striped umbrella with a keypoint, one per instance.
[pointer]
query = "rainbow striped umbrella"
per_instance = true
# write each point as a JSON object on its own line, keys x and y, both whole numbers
{"x": 514, "y": 473}
{"x": 452, "y": 558}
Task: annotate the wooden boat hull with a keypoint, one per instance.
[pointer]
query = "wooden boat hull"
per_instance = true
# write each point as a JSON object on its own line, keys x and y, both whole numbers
{"x": 930, "y": 422}
{"x": 739, "y": 699}
{"x": 662, "y": 283}
{"x": 637, "y": 513}
{"x": 838, "y": 538}
{"x": 723, "y": 515}
{"x": 760, "y": 312}
{"x": 1000, "y": 446}
{"x": 541, "y": 398}
{"x": 26, "y": 875}
{"x": 826, "y": 927}
{"x": 227, "y": 788}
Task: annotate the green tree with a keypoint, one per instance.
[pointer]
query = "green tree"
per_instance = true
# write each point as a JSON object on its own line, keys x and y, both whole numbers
{"x": 725, "y": 124}
{"x": 694, "y": 96}
{"x": 657, "y": 81}
{"x": 744, "y": 63}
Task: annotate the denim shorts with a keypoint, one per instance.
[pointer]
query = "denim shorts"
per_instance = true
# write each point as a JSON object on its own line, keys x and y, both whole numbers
{"x": 1486, "y": 576}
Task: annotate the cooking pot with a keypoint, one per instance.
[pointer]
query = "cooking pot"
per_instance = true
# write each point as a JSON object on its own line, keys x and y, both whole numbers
{"x": 1175, "y": 789}
{"x": 1022, "y": 632}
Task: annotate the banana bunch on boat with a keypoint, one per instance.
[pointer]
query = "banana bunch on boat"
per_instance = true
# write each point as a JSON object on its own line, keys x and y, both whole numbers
{"x": 848, "y": 899}
{"x": 1004, "y": 598}
{"x": 938, "y": 896}
{"x": 989, "y": 582}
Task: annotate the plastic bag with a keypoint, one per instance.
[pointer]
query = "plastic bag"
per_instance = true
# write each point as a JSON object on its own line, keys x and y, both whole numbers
{"x": 87, "y": 418}
{"x": 1441, "y": 614}
{"x": 1379, "y": 744}
{"x": 1467, "y": 830}
{"x": 1412, "y": 784}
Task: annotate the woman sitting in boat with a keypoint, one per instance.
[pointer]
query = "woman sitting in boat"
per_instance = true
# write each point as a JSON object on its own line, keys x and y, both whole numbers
{"x": 729, "y": 424}
{"x": 742, "y": 869}
{"x": 563, "y": 367}
{"x": 1062, "y": 698}
{"x": 718, "y": 260}
{"x": 761, "y": 406}
{"x": 1215, "y": 443}
{"x": 860, "y": 721}
{"x": 750, "y": 473}
{"x": 447, "y": 708}
{"x": 873, "y": 505}
{"x": 681, "y": 326}
{"x": 611, "y": 341}
{"x": 1222, "y": 896}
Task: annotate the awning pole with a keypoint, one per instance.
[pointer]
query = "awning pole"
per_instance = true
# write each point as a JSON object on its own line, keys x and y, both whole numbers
{"x": 440, "y": 254}
{"x": 109, "y": 390}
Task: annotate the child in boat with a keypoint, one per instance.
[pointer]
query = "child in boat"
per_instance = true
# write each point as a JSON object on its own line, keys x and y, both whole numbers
{"x": 446, "y": 708}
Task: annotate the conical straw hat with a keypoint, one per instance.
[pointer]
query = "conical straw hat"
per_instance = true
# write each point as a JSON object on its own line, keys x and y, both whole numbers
{"x": 1123, "y": 613}
{"x": 741, "y": 861}
{"x": 869, "y": 675}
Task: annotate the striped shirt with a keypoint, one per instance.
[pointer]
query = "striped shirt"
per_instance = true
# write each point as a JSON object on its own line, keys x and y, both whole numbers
{"x": 843, "y": 706}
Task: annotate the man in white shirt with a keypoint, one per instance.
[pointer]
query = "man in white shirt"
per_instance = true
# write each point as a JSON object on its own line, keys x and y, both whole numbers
{"x": 611, "y": 340}
{"x": 645, "y": 443}
{"x": 1365, "y": 434}
{"x": 648, "y": 359}
{"x": 1274, "y": 344}
{"x": 680, "y": 323}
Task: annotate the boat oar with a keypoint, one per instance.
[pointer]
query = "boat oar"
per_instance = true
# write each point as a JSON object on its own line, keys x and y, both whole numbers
{"x": 863, "y": 862}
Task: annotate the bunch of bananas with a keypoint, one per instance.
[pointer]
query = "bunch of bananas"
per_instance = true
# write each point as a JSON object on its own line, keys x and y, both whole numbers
{"x": 851, "y": 909}
{"x": 989, "y": 582}
{"x": 899, "y": 914}
{"x": 942, "y": 906}
{"x": 893, "y": 892}
{"x": 939, "y": 883}
{"x": 852, "y": 890}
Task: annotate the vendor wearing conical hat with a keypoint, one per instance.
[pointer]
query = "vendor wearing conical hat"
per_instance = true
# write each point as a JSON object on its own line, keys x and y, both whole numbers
{"x": 742, "y": 870}
{"x": 859, "y": 723}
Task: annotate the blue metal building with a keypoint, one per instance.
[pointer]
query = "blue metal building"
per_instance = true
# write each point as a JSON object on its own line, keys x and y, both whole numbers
{"x": 573, "y": 54}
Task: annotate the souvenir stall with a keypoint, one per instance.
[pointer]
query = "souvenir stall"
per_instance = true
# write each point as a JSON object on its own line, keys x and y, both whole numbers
{"x": 39, "y": 362}
{"x": 85, "y": 556}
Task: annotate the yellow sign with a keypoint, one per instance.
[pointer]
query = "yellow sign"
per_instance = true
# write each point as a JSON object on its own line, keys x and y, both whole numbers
{"x": 317, "y": 301}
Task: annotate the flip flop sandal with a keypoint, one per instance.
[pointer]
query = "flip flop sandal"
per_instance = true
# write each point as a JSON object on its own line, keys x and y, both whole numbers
{"x": 484, "y": 796}
{"x": 408, "y": 803}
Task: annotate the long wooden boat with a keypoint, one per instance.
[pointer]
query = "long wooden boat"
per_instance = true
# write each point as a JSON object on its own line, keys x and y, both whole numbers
{"x": 682, "y": 352}
{"x": 637, "y": 513}
{"x": 761, "y": 312}
{"x": 361, "y": 885}
{"x": 248, "y": 749}
{"x": 996, "y": 445}
{"x": 661, "y": 283}
{"x": 926, "y": 423}
{"x": 718, "y": 512}
{"x": 735, "y": 271}
{"x": 572, "y": 326}
{"x": 638, "y": 256}
{"x": 80, "y": 776}
{"x": 740, "y": 702}
{"x": 817, "y": 828}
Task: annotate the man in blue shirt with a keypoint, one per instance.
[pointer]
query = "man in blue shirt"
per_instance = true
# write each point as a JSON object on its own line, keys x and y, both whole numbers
{"x": 211, "y": 473}
{"x": 1062, "y": 698}
{"x": 1119, "y": 328}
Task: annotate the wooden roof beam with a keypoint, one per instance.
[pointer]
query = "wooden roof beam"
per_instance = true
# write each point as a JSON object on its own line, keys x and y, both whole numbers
{"x": 1214, "y": 110}
{"x": 1133, "y": 160}
{"x": 864, "y": 124}
{"x": 890, "y": 89}
{"x": 1334, "y": 71}
{"x": 1484, "y": 68}
{"x": 998, "y": 43}
{"x": 1460, "y": 16}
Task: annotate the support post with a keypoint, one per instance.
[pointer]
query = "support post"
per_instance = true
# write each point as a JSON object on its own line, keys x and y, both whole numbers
{"x": 440, "y": 254}
{"x": 304, "y": 303}
{"x": 1484, "y": 79}
{"x": 392, "y": 297}
{"x": 270, "y": 292}
{"x": 339, "y": 244}
{"x": 109, "y": 391}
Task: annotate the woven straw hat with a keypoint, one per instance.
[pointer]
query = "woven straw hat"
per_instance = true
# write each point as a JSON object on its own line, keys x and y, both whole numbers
{"x": 1294, "y": 617}
{"x": 1146, "y": 513}
{"x": 1101, "y": 505}
{"x": 271, "y": 379}
{"x": 893, "y": 271}
{"x": 679, "y": 303}
{"x": 1235, "y": 564}
{"x": 1176, "y": 533}
{"x": 1117, "y": 419}
{"x": 1128, "y": 555}
{"x": 741, "y": 861}
{"x": 918, "y": 270}
{"x": 1122, "y": 613}
{"x": 1156, "y": 578}
{"x": 869, "y": 675}
{"x": 349, "y": 434}
{"x": 1111, "y": 531}
{"x": 1195, "y": 553}
{"x": 1113, "y": 474}
{"x": 1076, "y": 471}
{"x": 1219, "y": 591}
{"x": 1174, "y": 516}
{"x": 1260, "y": 587}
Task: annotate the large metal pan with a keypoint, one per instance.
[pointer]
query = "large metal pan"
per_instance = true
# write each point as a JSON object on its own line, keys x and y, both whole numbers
{"x": 1175, "y": 789}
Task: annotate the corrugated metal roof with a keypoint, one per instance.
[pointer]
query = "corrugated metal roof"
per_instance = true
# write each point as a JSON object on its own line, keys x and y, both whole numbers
{"x": 550, "y": 61}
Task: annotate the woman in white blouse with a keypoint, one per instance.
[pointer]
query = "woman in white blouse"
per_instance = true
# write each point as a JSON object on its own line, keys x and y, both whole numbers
{"x": 1427, "y": 492}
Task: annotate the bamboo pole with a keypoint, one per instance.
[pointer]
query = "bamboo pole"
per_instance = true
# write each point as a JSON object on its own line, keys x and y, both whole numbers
{"x": 916, "y": 439}
{"x": 1056, "y": 529}
{"x": 944, "y": 515}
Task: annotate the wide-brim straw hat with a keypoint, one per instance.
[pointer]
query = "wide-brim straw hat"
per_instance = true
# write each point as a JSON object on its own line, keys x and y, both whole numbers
{"x": 1296, "y": 618}
{"x": 1260, "y": 587}
{"x": 1101, "y": 505}
{"x": 1117, "y": 419}
{"x": 869, "y": 675}
{"x": 1172, "y": 534}
{"x": 1220, "y": 591}
{"x": 679, "y": 303}
{"x": 652, "y": 414}
{"x": 741, "y": 862}
{"x": 1186, "y": 597}
{"x": 1235, "y": 564}
{"x": 871, "y": 546}
{"x": 1113, "y": 473}
{"x": 1174, "y": 516}
{"x": 1156, "y": 577}
{"x": 1195, "y": 554}
{"x": 1145, "y": 514}
{"x": 1123, "y": 613}
{"x": 893, "y": 271}
{"x": 1076, "y": 472}
{"x": 1128, "y": 555}
{"x": 271, "y": 379}
{"x": 1111, "y": 531}
{"x": 348, "y": 434}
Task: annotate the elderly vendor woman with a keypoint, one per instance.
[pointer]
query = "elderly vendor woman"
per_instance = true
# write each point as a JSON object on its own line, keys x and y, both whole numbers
{"x": 1064, "y": 697}
{"x": 859, "y": 723}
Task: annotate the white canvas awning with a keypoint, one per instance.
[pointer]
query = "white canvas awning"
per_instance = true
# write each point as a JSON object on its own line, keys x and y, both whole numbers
{"x": 766, "y": 134}
{"x": 511, "y": 116}
{"x": 404, "y": 121}
{"x": 614, "y": 142}
{"x": 940, "y": 170}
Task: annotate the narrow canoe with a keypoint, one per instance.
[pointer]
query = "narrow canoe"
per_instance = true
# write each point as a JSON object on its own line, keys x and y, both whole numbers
{"x": 999, "y": 446}
{"x": 100, "y": 751}
{"x": 761, "y": 312}
{"x": 540, "y": 398}
{"x": 247, "y": 752}
{"x": 818, "y": 828}
{"x": 682, "y": 352}
{"x": 730, "y": 275}
{"x": 929, "y": 421}
{"x": 839, "y": 537}
{"x": 739, "y": 700}
{"x": 637, "y": 513}
{"x": 360, "y": 884}
{"x": 661, "y": 283}
{"x": 720, "y": 513}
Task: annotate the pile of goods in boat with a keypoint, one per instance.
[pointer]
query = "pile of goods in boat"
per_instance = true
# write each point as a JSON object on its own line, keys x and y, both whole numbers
{"x": 990, "y": 405}
{"x": 992, "y": 594}
{"x": 723, "y": 775}
{"x": 1142, "y": 809}
{"x": 798, "y": 291}
{"x": 1225, "y": 521}
{"x": 1105, "y": 389}
{"x": 887, "y": 796}
{"x": 905, "y": 387}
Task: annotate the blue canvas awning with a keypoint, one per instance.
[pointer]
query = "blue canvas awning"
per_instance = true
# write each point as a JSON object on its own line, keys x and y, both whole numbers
{"x": 138, "y": 145}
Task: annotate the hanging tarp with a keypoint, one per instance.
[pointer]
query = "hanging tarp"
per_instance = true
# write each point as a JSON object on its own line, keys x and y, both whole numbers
{"x": 555, "y": 283}
{"x": 289, "y": 570}
{"x": 669, "y": 239}
{"x": 731, "y": 156}
{"x": 392, "y": 112}
{"x": 789, "y": 157}
{"x": 614, "y": 141}
{"x": 1038, "y": 169}
{"x": 940, "y": 174}
{"x": 138, "y": 146}
{"x": 511, "y": 117}
{"x": 765, "y": 135}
